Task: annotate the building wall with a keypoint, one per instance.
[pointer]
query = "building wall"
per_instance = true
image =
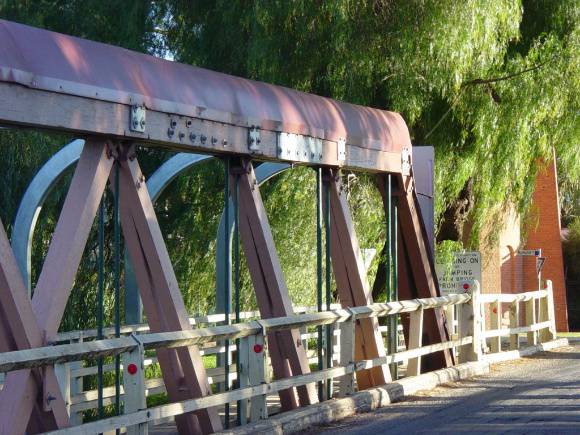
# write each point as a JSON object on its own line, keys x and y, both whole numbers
{"x": 544, "y": 231}
{"x": 506, "y": 271}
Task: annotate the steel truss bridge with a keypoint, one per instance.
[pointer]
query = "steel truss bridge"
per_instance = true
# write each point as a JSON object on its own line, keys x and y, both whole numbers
{"x": 115, "y": 101}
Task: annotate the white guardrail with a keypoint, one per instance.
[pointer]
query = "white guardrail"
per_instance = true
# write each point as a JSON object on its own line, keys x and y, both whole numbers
{"x": 467, "y": 317}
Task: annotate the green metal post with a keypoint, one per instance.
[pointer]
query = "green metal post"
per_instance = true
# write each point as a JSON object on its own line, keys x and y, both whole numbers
{"x": 327, "y": 286}
{"x": 237, "y": 279}
{"x": 388, "y": 265}
{"x": 117, "y": 283}
{"x": 395, "y": 288}
{"x": 100, "y": 296}
{"x": 228, "y": 271}
{"x": 319, "y": 272}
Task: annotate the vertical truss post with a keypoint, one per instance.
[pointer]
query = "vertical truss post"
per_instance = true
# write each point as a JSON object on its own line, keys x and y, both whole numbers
{"x": 236, "y": 203}
{"x": 100, "y": 300}
{"x": 117, "y": 286}
{"x": 390, "y": 251}
{"x": 321, "y": 395}
{"x": 395, "y": 288}
{"x": 287, "y": 353}
{"x": 182, "y": 368}
{"x": 352, "y": 282}
{"x": 327, "y": 283}
{"x": 227, "y": 288}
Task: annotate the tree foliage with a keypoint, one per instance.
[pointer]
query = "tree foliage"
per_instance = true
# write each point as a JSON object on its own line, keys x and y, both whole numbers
{"x": 492, "y": 84}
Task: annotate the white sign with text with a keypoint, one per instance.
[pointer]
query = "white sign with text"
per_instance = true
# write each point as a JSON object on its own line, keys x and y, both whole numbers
{"x": 460, "y": 276}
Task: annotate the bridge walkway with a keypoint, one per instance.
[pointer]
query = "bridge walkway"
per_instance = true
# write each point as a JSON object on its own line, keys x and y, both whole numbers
{"x": 539, "y": 394}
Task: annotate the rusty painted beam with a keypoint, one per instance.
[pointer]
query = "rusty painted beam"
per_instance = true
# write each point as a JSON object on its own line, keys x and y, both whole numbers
{"x": 33, "y": 324}
{"x": 33, "y": 108}
{"x": 286, "y": 351}
{"x": 417, "y": 277}
{"x": 182, "y": 368}
{"x": 352, "y": 282}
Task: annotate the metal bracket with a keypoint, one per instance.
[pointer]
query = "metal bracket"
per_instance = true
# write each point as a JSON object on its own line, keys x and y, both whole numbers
{"x": 138, "y": 119}
{"x": 341, "y": 149}
{"x": 263, "y": 328}
{"x": 254, "y": 139}
{"x": 406, "y": 161}
{"x": 297, "y": 147}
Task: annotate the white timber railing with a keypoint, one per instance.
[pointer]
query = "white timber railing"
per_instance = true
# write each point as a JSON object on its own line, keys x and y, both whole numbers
{"x": 468, "y": 341}
{"x": 72, "y": 374}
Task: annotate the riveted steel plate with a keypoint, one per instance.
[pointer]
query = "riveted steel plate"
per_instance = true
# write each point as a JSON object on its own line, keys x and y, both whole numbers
{"x": 300, "y": 148}
{"x": 138, "y": 119}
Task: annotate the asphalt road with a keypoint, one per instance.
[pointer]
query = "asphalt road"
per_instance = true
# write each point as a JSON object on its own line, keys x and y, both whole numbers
{"x": 535, "y": 395}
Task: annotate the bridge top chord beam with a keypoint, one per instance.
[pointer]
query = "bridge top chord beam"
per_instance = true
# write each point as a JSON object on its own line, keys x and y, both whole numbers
{"x": 101, "y": 89}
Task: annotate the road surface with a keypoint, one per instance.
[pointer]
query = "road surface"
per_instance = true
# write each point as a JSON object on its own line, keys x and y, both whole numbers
{"x": 535, "y": 395}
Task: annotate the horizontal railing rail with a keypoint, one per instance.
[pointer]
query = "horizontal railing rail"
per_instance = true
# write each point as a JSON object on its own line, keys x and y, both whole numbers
{"x": 31, "y": 358}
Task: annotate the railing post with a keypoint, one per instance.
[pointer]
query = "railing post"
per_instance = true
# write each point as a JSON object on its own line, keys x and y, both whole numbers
{"x": 253, "y": 371}
{"x": 551, "y": 311}
{"x": 134, "y": 385}
{"x": 469, "y": 325}
{"x": 495, "y": 324}
{"x": 76, "y": 386}
{"x": 62, "y": 372}
{"x": 347, "y": 347}
{"x": 415, "y": 341}
{"x": 547, "y": 314}
{"x": 531, "y": 320}
{"x": 514, "y": 323}
{"x": 70, "y": 386}
{"x": 450, "y": 316}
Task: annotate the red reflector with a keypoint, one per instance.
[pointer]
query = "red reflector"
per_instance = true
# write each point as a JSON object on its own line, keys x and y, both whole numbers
{"x": 465, "y": 286}
{"x": 132, "y": 369}
{"x": 258, "y": 348}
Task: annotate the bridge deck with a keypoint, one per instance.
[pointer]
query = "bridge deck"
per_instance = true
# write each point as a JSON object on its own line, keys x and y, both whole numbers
{"x": 537, "y": 394}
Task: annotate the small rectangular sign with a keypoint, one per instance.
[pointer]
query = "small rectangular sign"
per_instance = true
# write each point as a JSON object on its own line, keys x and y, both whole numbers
{"x": 460, "y": 277}
{"x": 530, "y": 252}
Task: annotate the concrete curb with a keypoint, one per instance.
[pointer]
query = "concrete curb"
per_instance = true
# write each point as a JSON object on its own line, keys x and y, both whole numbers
{"x": 369, "y": 400}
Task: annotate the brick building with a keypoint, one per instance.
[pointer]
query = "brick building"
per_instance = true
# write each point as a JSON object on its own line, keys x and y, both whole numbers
{"x": 503, "y": 266}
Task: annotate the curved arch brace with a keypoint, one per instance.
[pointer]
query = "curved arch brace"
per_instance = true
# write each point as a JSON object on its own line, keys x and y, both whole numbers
{"x": 263, "y": 173}
{"x": 169, "y": 170}
{"x": 51, "y": 172}
{"x": 32, "y": 201}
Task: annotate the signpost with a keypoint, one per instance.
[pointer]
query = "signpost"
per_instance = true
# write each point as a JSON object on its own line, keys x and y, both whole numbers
{"x": 537, "y": 253}
{"x": 460, "y": 276}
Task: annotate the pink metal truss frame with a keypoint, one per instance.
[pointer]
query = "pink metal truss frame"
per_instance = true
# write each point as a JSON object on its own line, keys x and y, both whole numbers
{"x": 56, "y": 82}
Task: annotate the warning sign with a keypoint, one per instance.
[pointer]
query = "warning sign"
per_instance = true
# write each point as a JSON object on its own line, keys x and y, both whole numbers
{"x": 460, "y": 277}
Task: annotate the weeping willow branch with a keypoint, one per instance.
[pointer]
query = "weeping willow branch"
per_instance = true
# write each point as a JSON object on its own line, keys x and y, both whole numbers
{"x": 475, "y": 82}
